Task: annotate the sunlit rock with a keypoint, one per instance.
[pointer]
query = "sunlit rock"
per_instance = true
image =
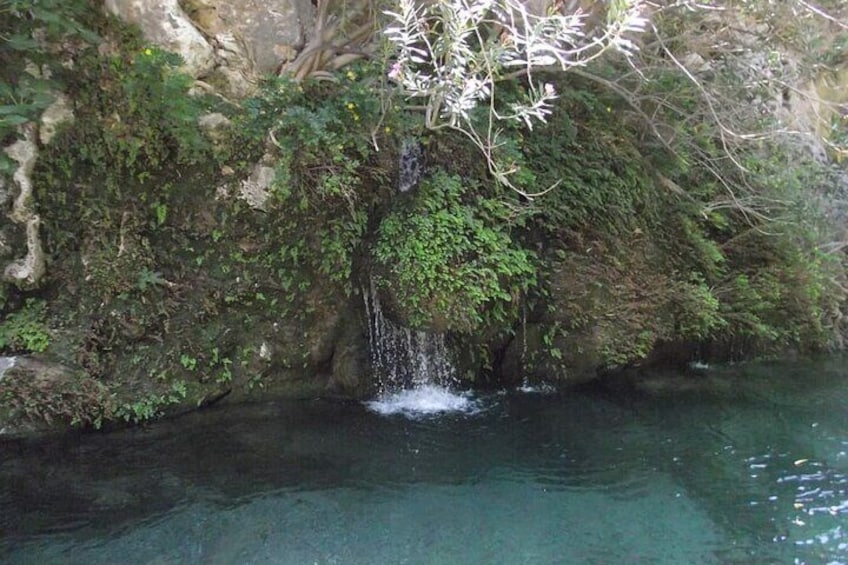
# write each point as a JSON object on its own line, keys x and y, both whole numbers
{"x": 216, "y": 126}
{"x": 251, "y": 38}
{"x": 27, "y": 271}
{"x": 256, "y": 189}
{"x": 164, "y": 23}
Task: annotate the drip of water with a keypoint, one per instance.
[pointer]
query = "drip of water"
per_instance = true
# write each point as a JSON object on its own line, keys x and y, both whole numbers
{"x": 6, "y": 363}
{"x": 414, "y": 370}
{"x": 410, "y": 165}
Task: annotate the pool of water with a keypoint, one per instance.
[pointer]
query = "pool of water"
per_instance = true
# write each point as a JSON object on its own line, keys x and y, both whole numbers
{"x": 732, "y": 465}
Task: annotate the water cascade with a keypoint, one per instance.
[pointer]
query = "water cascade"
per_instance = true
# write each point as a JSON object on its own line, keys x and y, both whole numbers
{"x": 414, "y": 369}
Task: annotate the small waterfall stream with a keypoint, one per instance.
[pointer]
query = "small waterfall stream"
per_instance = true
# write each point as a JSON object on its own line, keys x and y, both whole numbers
{"x": 414, "y": 369}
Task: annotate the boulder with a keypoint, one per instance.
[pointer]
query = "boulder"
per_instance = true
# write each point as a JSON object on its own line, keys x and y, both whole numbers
{"x": 164, "y": 23}
{"x": 38, "y": 396}
{"x": 268, "y": 32}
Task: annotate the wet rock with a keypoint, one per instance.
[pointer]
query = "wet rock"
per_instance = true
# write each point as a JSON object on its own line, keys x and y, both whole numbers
{"x": 528, "y": 357}
{"x": 350, "y": 375}
{"x": 42, "y": 396}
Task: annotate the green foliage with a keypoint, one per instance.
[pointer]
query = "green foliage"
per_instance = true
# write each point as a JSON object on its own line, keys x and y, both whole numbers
{"x": 781, "y": 292}
{"x": 24, "y": 94}
{"x": 25, "y": 330}
{"x": 696, "y": 310}
{"x": 151, "y": 405}
{"x": 449, "y": 258}
{"x": 321, "y": 130}
{"x": 622, "y": 348}
{"x": 324, "y": 180}
{"x": 598, "y": 173}
{"x": 148, "y": 278}
{"x": 139, "y": 115}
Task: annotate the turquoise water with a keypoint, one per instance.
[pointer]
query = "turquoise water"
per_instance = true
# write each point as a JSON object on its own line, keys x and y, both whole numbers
{"x": 733, "y": 465}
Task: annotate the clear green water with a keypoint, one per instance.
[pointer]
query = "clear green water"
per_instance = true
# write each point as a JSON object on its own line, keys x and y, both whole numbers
{"x": 737, "y": 465}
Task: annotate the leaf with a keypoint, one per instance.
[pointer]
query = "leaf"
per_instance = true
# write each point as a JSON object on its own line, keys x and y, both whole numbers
{"x": 13, "y": 120}
{"x": 21, "y": 42}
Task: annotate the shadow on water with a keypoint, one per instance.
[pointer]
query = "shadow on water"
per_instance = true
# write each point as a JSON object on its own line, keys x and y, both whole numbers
{"x": 747, "y": 465}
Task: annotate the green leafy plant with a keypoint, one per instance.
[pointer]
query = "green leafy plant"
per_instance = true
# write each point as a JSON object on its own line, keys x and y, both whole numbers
{"x": 150, "y": 119}
{"x": 26, "y": 330}
{"x": 697, "y": 310}
{"x": 325, "y": 182}
{"x": 24, "y": 94}
{"x": 449, "y": 257}
{"x": 148, "y": 278}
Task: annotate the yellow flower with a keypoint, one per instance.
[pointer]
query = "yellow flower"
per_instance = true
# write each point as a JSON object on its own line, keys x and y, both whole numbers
{"x": 388, "y": 129}
{"x": 351, "y": 105}
{"x": 148, "y": 52}
{"x": 351, "y": 75}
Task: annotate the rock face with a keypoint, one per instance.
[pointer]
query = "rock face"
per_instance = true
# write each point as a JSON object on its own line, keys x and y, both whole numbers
{"x": 164, "y": 23}
{"x": 42, "y": 396}
{"x": 240, "y": 40}
{"x": 269, "y": 31}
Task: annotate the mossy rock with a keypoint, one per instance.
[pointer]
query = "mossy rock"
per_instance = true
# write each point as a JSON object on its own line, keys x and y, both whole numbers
{"x": 41, "y": 396}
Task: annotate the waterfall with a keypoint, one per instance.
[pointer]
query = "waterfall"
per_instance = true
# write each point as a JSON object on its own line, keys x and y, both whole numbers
{"x": 402, "y": 357}
{"x": 413, "y": 368}
{"x": 6, "y": 363}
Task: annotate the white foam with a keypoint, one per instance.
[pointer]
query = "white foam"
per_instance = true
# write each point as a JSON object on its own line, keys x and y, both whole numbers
{"x": 542, "y": 388}
{"x": 424, "y": 400}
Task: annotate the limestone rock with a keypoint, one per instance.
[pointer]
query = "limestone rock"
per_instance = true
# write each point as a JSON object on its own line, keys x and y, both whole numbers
{"x": 256, "y": 189}
{"x": 25, "y": 272}
{"x": 24, "y": 152}
{"x": 252, "y": 38}
{"x": 164, "y": 23}
{"x": 58, "y": 113}
{"x": 265, "y": 30}
{"x": 216, "y": 126}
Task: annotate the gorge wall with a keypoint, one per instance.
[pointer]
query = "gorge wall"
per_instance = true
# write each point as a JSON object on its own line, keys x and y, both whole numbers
{"x": 182, "y": 230}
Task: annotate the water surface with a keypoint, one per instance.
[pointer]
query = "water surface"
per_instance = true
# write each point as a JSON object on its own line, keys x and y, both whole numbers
{"x": 734, "y": 465}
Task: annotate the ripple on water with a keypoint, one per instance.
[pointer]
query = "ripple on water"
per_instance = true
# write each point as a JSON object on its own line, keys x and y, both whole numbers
{"x": 424, "y": 401}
